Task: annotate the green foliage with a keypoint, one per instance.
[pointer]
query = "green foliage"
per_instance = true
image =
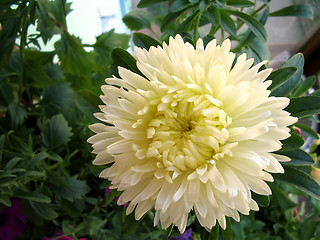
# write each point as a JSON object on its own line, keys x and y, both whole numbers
{"x": 46, "y": 108}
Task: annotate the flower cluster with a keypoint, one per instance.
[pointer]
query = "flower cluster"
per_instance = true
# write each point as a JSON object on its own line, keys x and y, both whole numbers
{"x": 197, "y": 132}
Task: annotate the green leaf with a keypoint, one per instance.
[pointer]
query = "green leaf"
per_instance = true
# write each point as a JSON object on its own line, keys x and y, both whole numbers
{"x": 187, "y": 24}
{"x": 44, "y": 210}
{"x": 124, "y": 59}
{"x": 104, "y": 45}
{"x": 33, "y": 196}
{"x": 214, "y": 15}
{"x": 298, "y": 158}
{"x": 213, "y": 235}
{"x": 295, "y": 61}
{"x": 296, "y": 10}
{"x": 2, "y": 139}
{"x": 70, "y": 189}
{"x": 35, "y": 160}
{"x": 259, "y": 49}
{"x": 227, "y": 234}
{"x": 88, "y": 103}
{"x": 227, "y": 23}
{"x": 178, "y": 5}
{"x": 281, "y": 198}
{"x": 304, "y": 86}
{"x": 74, "y": 59}
{"x": 308, "y": 130}
{"x": 5, "y": 200}
{"x": 295, "y": 141}
{"x": 56, "y": 132}
{"x": 57, "y": 98}
{"x": 280, "y": 76}
{"x": 147, "y": 3}
{"x": 262, "y": 201}
{"x": 144, "y": 41}
{"x": 137, "y": 20}
{"x": 303, "y": 107}
{"x": 130, "y": 224}
{"x": 17, "y": 114}
{"x": 299, "y": 179}
{"x": 256, "y": 27}
{"x": 240, "y": 3}
{"x": 171, "y": 17}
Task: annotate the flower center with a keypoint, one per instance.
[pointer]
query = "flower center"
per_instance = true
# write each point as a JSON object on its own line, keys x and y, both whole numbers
{"x": 187, "y": 132}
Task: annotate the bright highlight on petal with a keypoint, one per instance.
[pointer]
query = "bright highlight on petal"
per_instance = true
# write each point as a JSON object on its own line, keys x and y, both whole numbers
{"x": 197, "y": 134}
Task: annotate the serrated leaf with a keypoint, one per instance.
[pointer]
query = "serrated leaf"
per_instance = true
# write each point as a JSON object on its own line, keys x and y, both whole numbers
{"x": 57, "y": 98}
{"x": 256, "y": 27}
{"x": 303, "y": 107}
{"x": 33, "y": 196}
{"x": 295, "y": 141}
{"x": 295, "y": 61}
{"x": 17, "y": 114}
{"x": 227, "y": 23}
{"x": 147, "y": 3}
{"x": 298, "y": 157}
{"x": 137, "y": 20}
{"x": 304, "y": 86}
{"x": 280, "y": 76}
{"x": 44, "y": 210}
{"x": 144, "y": 41}
{"x": 88, "y": 103}
{"x": 299, "y": 179}
{"x": 71, "y": 189}
{"x": 56, "y": 132}
{"x": 295, "y": 10}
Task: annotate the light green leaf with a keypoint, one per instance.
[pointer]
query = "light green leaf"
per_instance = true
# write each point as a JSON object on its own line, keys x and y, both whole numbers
{"x": 298, "y": 158}
{"x": 137, "y": 20}
{"x": 280, "y": 76}
{"x": 33, "y": 196}
{"x": 296, "y": 10}
{"x": 303, "y": 107}
{"x": 56, "y": 132}
{"x": 295, "y": 61}
{"x": 144, "y": 41}
{"x": 299, "y": 179}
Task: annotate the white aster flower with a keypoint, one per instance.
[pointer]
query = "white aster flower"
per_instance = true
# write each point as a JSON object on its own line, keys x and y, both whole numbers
{"x": 195, "y": 134}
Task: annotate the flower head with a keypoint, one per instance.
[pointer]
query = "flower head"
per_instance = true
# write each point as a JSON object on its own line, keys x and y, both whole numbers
{"x": 196, "y": 133}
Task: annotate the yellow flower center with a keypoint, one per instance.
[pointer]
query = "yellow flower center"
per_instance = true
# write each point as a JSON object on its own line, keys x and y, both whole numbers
{"x": 188, "y": 130}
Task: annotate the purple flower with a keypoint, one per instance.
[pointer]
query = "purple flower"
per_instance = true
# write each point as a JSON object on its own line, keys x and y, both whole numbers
{"x": 115, "y": 198}
{"x": 185, "y": 236}
{"x": 12, "y": 221}
{"x": 56, "y": 237}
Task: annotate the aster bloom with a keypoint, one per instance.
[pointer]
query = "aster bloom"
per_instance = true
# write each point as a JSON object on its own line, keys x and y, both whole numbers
{"x": 196, "y": 133}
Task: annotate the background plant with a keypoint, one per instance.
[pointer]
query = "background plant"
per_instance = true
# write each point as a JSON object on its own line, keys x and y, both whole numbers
{"x": 46, "y": 106}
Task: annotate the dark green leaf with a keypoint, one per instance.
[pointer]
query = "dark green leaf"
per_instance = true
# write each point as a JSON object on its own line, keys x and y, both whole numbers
{"x": 178, "y": 5}
{"x": 17, "y": 114}
{"x": 147, "y": 3}
{"x": 240, "y": 3}
{"x": 298, "y": 157}
{"x": 2, "y": 139}
{"x": 304, "y": 86}
{"x": 171, "y": 17}
{"x": 227, "y": 23}
{"x": 299, "y": 179}
{"x": 295, "y": 61}
{"x": 57, "y": 98}
{"x": 281, "y": 198}
{"x": 124, "y": 59}
{"x": 88, "y": 103}
{"x": 144, "y": 41}
{"x": 35, "y": 160}
{"x": 56, "y": 132}
{"x": 12, "y": 163}
{"x": 295, "y": 141}
{"x": 308, "y": 130}
{"x": 44, "y": 210}
{"x": 32, "y": 174}
{"x": 5, "y": 200}
{"x": 188, "y": 24}
{"x": 137, "y": 20}
{"x": 303, "y": 107}
{"x": 213, "y": 235}
{"x": 130, "y": 224}
{"x": 227, "y": 233}
{"x": 214, "y": 15}
{"x": 256, "y": 27}
{"x": 296, "y": 10}
{"x": 33, "y": 196}
{"x": 262, "y": 201}
{"x": 260, "y": 50}
{"x": 280, "y": 76}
